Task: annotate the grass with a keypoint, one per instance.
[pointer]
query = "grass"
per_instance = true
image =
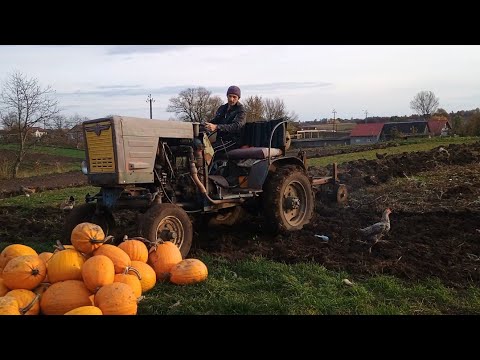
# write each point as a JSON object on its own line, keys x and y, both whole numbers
{"x": 49, "y": 150}
{"x": 29, "y": 168}
{"x": 404, "y": 146}
{"x": 258, "y": 286}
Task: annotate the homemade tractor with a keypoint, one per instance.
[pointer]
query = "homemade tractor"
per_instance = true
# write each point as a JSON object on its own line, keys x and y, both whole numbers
{"x": 169, "y": 173}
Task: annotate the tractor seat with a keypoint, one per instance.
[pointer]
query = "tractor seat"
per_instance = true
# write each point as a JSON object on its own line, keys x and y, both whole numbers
{"x": 253, "y": 153}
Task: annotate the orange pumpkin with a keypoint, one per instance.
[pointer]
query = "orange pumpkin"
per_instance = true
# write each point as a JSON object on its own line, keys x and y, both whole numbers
{"x": 64, "y": 296}
{"x": 28, "y": 301}
{"x": 116, "y": 299}
{"x": 86, "y": 237}
{"x": 119, "y": 257}
{"x": 148, "y": 278}
{"x": 85, "y": 310}
{"x": 45, "y": 256}
{"x": 162, "y": 257}
{"x": 98, "y": 271}
{"x": 24, "y": 272}
{"x": 65, "y": 265}
{"x": 14, "y": 250}
{"x": 131, "y": 279}
{"x": 3, "y": 288}
{"x": 189, "y": 271}
{"x": 136, "y": 249}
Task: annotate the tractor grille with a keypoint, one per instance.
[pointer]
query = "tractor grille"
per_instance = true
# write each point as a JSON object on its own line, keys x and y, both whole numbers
{"x": 100, "y": 147}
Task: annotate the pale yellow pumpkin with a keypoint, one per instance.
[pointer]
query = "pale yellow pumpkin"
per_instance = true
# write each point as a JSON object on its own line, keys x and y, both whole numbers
{"x": 119, "y": 257}
{"x": 86, "y": 237}
{"x": 64, "y": 296}
{"x": 9, "y": 306}
{"x": 98, "y": 271}
{"x": 85, "y": 310}
{"x": 162, "y": 257}
{"x": 116, "y": 299}
{"x": 28, "y": 301}
{"x": 24, "y": 272}
{"x": 14, "y": 250}
{"x": 188, "y": 271}
{"x": 65, "y": 265}
{"x": 148, "y": 278}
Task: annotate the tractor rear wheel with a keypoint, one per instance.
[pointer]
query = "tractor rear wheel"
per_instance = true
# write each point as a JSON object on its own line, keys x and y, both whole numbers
{"x": 288, "y": 200}
{"x": 168, "y": 222}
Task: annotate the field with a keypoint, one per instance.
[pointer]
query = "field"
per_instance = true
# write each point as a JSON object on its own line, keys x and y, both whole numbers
{"x": 434, "y": 193}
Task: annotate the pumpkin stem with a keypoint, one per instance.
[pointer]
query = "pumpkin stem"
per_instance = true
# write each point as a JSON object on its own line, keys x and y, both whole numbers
{"x": 108, "y": 239}
{"x": 140, "y": 298}
{"x": 59, "y": 245}
{"x": 24, "y": 310}
{"x": 131, "y": 268}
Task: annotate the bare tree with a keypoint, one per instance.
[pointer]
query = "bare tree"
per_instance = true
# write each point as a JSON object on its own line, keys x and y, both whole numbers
{"x": 194, "y": 105}
{"x": 254, "y": 108}
{"x": 274, "y": 109}
{"x": 424, "y": 103}
{"x": 32, "y": 106}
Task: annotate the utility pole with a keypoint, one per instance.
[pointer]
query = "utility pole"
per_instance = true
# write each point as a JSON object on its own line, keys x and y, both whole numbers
{"x": 334, "y": 112}
{"x": 150, "y": 99}
{"x": 366, "y": 114}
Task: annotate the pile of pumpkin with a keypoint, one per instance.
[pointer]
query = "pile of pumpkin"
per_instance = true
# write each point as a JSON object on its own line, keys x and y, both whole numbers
{"x": 91, "y": 276}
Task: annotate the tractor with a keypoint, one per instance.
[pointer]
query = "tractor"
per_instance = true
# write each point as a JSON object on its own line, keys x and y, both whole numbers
{"x": 172, "y": 174}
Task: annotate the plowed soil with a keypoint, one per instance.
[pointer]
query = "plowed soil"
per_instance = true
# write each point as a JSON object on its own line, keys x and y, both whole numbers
{"x": 435, "y": 220}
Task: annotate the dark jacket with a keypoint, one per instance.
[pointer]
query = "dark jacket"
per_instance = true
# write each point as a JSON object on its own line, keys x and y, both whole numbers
{"x": 230, "y": 122}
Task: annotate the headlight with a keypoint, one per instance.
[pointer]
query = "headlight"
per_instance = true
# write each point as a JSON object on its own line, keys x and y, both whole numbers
{"x": 84, "y": 167}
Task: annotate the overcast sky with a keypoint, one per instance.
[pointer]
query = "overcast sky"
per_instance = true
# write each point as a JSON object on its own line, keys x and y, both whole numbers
{"x": 312, "y": 80}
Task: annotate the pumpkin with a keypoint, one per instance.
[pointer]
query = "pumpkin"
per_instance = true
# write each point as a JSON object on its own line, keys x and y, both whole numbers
{"x": 63, "y": 296}
{"x": 116, "y": 299}
{"x": 86, "y": 237}
{"x": 45, "y": 256}
{"x": 65, "y": 265}
{"x": 24, "y": 272}
{"x": 162, "y": 257}
{"x": 28, "y": 301}
{"x": 148, "y": 278}
{"x": 14, "y": 250}
{"x": 188, "y": 271}
{"x": 136, "y": 249}
{"x": 3, "y": 288}
{"x": 131, "y": 279}
{"x": 9, "y": 306}
{"x": 119, "y": 257}
{"x": 85, "y": 310}
{"x": 98, "y": 271}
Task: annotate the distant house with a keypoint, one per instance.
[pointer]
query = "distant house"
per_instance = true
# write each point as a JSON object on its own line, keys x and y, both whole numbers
{"x": 404, "y": 129}
{"x": 37, "y": 132}
{"x": 439, "y": 127}
{"x": 75, "y": 134}
{"x": 366, "y": 133}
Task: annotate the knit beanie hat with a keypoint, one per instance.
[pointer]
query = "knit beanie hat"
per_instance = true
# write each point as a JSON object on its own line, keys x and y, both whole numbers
{"x": 235, "y": 90}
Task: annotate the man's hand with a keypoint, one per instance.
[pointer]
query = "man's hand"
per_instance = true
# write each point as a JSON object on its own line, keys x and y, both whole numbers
{"x": 210, "y": 127}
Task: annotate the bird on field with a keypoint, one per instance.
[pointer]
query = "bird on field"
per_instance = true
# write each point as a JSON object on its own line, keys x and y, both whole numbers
{"x": 442, "y": 150}
{"x": 375, "y": 232}
{"x": 68, "y": 204}
{"x": 27, "y": 190}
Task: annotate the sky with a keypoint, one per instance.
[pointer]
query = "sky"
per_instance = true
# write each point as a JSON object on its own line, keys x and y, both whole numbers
{"x": 312, "y": 80}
